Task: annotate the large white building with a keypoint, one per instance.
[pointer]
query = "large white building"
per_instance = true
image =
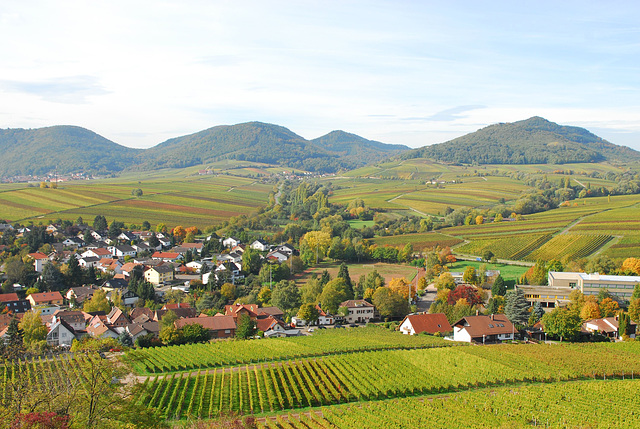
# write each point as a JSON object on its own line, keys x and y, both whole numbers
{"x": 591, "y": 284}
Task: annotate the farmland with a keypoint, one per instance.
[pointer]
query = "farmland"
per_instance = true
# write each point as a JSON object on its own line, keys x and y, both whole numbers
{"x": 375, "y": 375}
{"x": 195, "y": 201}
{"x": 567, "y": 404}
{"x": 387, "y": 271}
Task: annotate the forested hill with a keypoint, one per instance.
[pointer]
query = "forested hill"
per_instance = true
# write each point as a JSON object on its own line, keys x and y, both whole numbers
{"x": 357, "y": 148}
{"x": 67, "y": 148}
{"x": 268, "y": 143}
{"x": 532, "y": 141}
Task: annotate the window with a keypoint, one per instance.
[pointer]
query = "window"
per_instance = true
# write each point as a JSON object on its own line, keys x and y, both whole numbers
{"x": 572, "y": 284}
{"x": 491, "y": 325}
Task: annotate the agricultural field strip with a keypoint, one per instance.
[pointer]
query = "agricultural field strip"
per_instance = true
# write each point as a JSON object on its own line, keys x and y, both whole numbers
{"x": 564, "y": 404}
{"x": 389, "y": 374}
{"x": 230, "y": 353}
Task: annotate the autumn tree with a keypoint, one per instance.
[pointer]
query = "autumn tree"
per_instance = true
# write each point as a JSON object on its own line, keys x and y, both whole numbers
{"x": 470, "y": 293}
{"x": 334, "y": 293}
{"x": 98, "y": 302}
{"x": 389, "y": 303}
{"x": 445, "y": 281}
{"x": 403, "y": 287}
{"x": 309, "y": 313}
{"x": 590, "y": 309}
{"x": 608, "y": 307}
{"x": 469, "y": 275}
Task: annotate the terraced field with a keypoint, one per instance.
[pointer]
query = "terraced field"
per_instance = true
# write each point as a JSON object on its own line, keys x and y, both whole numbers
{"x": 420, "y": 242}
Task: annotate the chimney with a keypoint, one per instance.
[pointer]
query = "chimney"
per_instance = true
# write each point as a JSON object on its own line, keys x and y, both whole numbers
{"x": 477, "y": 312}
{"x": 491, "y": 316}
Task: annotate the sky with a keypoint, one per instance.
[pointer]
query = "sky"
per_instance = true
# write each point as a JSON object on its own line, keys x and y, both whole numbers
{"x": 408, "y": 72}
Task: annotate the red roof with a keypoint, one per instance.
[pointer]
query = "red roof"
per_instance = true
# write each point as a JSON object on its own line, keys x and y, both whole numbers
{"x": 46, "y": 297}
{"x": 175, "y": 306}
{"x": 38, "y": 255}
{"x": 4, "y": 297}
{"x": 165, "y": 255}
{"x": 210, "y": 322}
{"x": 477, "y": 326}
{"x": 266, "y": 323}
{"x": 101, "y": 251}
{"x": 234, "y": 310}
{"x": 430, "y": 323}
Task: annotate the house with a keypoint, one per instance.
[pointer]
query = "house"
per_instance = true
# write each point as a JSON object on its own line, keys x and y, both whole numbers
{"x": 128, "y": 297}
{"x": 159, "y": 275}
{"x": 607, "y": 326}
{"x": 136, "y": 330}
{"x": 236, "y": 310}
{"x": 13, "y": 304}
{"x": 181, "y": 312}
{"x": 166, "y": 256}
{"x": 126, "y": 236}
{"x": 123, "y": 250}
{"x": 234, "y": 257}
{"x": 193, "y": 246}
{"x": 430, "y": 323}
{"x": 264, "y": 312}
{"x": 483, "y": 329}
{"x": 99, "y": 329}
{"x": 99, "y": 252}
{"x": 115, "y": 284}
{"x": 286, "y": 249}
{"x": 116, "y": 318}
{"x": 74, "y": 242}
{"x": 591, "y": 284}
{"x": 230, "y": 271}
{"x": 39, "y": 260}
{"x": 358, "y": 311}
{"x": 277, "y": 256}
{"x": 143, "y": 247}
{"x": 60, "y": 334}
{"x": 195, "y": 266}
{"x": 45, "y": 298}
{"x": 230, "y": 242}
{"x": 80, "y": 294}
{"x": 175, "y": 306}
{"x": 260, "y": 245}
{"x": 74, "y": 319}
{"x": 218, "y": 326}
{"x": 88, "y": 261}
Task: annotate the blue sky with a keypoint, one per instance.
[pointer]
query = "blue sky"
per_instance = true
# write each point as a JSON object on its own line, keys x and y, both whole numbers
{"x": 412, "y": 72}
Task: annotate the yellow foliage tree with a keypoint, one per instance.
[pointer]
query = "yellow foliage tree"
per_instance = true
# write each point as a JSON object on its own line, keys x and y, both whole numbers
{"x": 590, "y": 310}
{"x": 402, "y": 286}
{"x": 631, "y": 264}
{"x": 479, "y": 220}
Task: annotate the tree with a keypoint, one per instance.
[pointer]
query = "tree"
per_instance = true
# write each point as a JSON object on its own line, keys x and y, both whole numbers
{"x": 286, "y": 295}
{"x": 487, "y": 255}
{"x": 516, "y": 307}
{"x": 470, "y": 293}
{"x": 403, "y": 287}
{"x": 634, "y": 310}
{"x": 309, "y": 313}
{"x": 624, "y": 324}
{"x": 562, "y": 323}
{"x": 125, "y": 339}
{"x": 590, "y": 310}
{"x": 100, "y": 223}
{"x": 636, "y": 292}
{"x": 470, "y": 276}
{"x": 251, "y": 261}
{"x": 98, "y": 302}
{"x": 498, "y": 287}
{"x": 608, "y": 307}
{"x": 52, "y": 278}
{"x": 536, "y": 313}
{"x": 74, "y": 272}
{"x": 479, "y": 220}
{"x": 445, "y": 281}
{"x": 311, "y": 290}
{"x": 333, "y": 294}
{"x": 245, "y": 327}
{"x": 389, "y": 303}
{"x": 343, "y": 273}
{"x": 193, "y": 333}
{"x": 228, "y": 290}
{"x": 264, "y": 296}
{"x": 15, "y": 334}
{"x": 33, "y": 328}
{"x": 137, "y": 192}
{"x": 146, "y": 226}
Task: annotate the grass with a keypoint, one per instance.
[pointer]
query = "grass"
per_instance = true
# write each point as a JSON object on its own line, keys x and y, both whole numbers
{"x": 508, "y": 272}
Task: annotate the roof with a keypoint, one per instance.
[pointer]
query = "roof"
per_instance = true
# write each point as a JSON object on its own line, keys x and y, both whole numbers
{"x": 46, "y": 297}
{"x": 101, "y": 251}
{"x": 38, "y": 255}
{"x": 234, "y": 310}
{"x": 271, "y": 311}
{"x": 431, "y": 323}
{"x": 210, "y": 322}
{"x": 606, "y": 324}
{"x": 176, "y": 305}
{"x": 192, "y": 245}
{"x": 267, "y": 323}
{"x": 6, "y": 297}
{"x": 477, "y": 326}
{"x": 70, "y": 316}
{"x": 139, "y": 311}
{"x": 161, "y": 269}
{"x": 356, "y": 303}
{"x": 165, "y": 255}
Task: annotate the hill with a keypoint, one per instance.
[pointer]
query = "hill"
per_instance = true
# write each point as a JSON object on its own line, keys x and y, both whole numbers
{"x": 67, "y": 148}
{"x": 271, "y": 144}
{"x": 531, "y": 141}
{"x": 358, "y": 149}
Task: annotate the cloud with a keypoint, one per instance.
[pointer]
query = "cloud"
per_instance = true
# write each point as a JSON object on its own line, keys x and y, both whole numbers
{"x": 66, "y": 90}
{"x": 449, "y": 114}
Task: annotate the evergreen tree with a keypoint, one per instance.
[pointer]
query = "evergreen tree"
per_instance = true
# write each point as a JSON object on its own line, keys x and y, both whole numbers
{"x": 358, "y": 291}
{"x": 52, "y": 278}
{"x": 100, "y": 223}
{"x": 498, "y": 288}
{"x": 14, "y": 333}
{"x": 74, "y": 272}
{"x": 245, "y": 327}
{"x": 516, "y": 307}
{"x": 125, "y": 339}
{"x": 326, "y": 277}
{"x": 90, "y": 275}
{"x": 343, "y": 273}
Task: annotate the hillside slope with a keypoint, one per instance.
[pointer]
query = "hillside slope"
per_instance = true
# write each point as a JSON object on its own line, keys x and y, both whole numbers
{"x": 67, "y": 148}
{"x": 531, "y": 141}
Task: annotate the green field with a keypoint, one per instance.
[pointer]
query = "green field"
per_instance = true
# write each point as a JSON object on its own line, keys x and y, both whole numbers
{"x": 388, "y": 271}
{"x": 508, "y": 272}
{"x": 174, "y": 200}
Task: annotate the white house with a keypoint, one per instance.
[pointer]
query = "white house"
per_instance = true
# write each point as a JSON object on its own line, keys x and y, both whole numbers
{"x": 260, "y": 245}
{"x": 431, "y": 323}
{"x": 359, "y": 311}
{"x": 230, "y": 242}
{"x": 123, "y": 251}
{"x": 60, "y": 334}
{"x": 483, "y": 329}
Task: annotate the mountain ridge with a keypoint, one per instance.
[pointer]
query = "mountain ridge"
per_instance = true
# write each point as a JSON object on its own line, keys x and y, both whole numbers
{"x": 531, "y": 141}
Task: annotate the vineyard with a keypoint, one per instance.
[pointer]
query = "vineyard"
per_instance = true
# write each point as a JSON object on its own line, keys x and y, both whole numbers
{"x": 571, "y": 246}
{"x": 511, "y": 247}
{"x": 232, "y": 353}
{"x": 378, "y": 375}
{"x": 570, "y": 404}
